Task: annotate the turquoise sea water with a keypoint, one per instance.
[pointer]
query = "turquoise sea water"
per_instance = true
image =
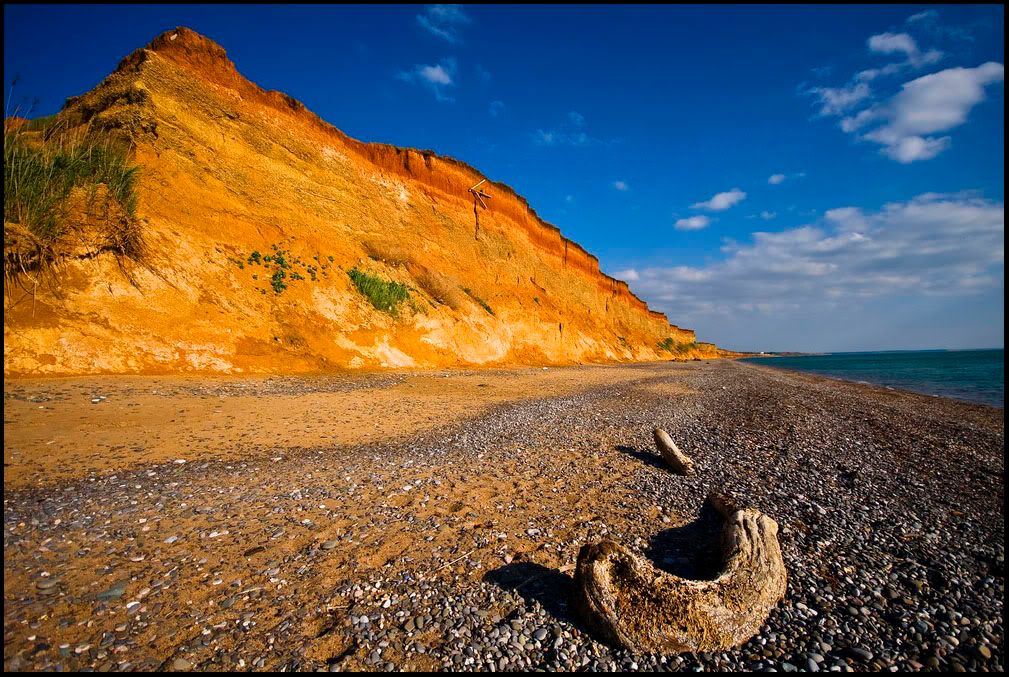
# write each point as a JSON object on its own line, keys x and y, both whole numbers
{"x": 975, "y": 375}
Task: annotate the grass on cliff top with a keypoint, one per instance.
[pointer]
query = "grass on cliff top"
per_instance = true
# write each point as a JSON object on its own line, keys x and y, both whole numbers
{"x": 39, "y": 177}
{"x": 382, "y": 294}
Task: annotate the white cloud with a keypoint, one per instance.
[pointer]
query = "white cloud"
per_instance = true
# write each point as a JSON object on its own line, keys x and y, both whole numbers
{"x": 692, "y": 223}
{"x": 927, "y": 14}
{"x": 443, "y": 21}
{"x": 838, "y": 100}
{"x": 892, "y": 42}
{"x": 629, "y": 275}
{"x": 435, "y": 77}
{"x": 767, "y": 216}
{"x": 775, "y": 179}
{"x": 927, "y": 105}
{"x": 872, "y": 73}
{"x": 721, "y": 201}
{"x": 902, "y": 43}
{"x": 933, "y": 246}
{"x": 846, "y": 98}
{"x": 913, "y": 148}
{"x": 621, "y": 185}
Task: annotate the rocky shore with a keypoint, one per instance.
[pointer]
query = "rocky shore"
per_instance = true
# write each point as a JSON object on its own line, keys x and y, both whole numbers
{"x": 453, "y": 547}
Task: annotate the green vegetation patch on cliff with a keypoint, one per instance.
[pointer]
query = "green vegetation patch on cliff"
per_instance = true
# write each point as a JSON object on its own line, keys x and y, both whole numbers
{"x": 670, "y": 345}
{"x": 384, "y": 295}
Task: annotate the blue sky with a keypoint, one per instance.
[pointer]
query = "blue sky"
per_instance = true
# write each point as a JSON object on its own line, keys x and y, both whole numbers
{"x": 777, "y": 178}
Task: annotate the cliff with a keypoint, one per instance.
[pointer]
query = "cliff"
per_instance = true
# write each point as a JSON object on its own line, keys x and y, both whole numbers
{"x": 237, "y": 183}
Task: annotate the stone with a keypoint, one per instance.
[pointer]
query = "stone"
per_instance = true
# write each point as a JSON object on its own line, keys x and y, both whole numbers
{"x": 860, "y": 653}
{"x": 629, "y": 602}
{"x": 181, "y": 665}
{"x": 677, "y": 461}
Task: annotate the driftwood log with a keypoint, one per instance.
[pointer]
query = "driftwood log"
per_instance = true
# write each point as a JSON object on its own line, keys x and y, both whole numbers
{"x": 679, "y": 462}
{"x": 629, "y": 602}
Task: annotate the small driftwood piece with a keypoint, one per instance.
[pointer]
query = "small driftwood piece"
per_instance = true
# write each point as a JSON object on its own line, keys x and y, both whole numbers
{"x": 629, "y": 602}
{"x": 679, "y": 462}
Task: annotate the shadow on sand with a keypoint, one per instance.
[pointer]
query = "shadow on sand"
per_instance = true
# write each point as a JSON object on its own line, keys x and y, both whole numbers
{"x": 647, "y": 457}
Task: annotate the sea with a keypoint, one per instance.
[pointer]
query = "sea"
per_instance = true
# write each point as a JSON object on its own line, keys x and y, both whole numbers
{"x": 973, "y": 375}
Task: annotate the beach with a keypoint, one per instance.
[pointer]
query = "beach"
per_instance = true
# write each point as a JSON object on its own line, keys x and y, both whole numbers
{"x": 432, "y": 520}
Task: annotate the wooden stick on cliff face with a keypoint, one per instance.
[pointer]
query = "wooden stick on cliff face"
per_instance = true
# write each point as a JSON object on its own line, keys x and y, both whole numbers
{"x": 478, "y": 195}
{"x": 628, "y": 602}
{"x": 679, "y": 462}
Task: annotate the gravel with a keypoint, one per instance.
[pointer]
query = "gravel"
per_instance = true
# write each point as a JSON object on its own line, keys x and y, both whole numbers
{"x": 890, "y": 507}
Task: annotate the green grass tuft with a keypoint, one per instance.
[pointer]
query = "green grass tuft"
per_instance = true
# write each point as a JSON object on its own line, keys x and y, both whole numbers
{"x": 277, "y": 281}
{"x": 39, "y": 178}
{"x": 383, "y": 295}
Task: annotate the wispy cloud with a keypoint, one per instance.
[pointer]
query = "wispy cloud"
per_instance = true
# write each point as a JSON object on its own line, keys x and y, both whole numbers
{"x": 436, "y": 77}
{"x": 902, "y": 43}
{"x": 932, "y": 245}
{"x": 721, "y": 201}
{"x": 775, "y": 179}
{"x": 554, "y": 138}
{"x": 496, "y": 108}
{"x": 692, "y": 223}
{"x": 838, "y": 100}
{"x": 621, "y": 186}
{"x": 906, "y": 124}
{"x": 928, "y": 14}
{"x": 444, "y": 21}
{"x": 629, "y": 275}
{"x": 570, "y": 133}
{"x": 767, "y": 216}
{"x": 909, "y": 124}
{"x": 842, "y": 99}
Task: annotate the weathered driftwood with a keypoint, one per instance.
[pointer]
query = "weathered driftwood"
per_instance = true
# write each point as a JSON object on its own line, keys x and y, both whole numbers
{"x": 679, "y": 462}
{"x": 631, "y": 603}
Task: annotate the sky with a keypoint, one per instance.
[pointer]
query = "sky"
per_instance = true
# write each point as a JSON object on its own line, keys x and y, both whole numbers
{"x": 807, "y": 178}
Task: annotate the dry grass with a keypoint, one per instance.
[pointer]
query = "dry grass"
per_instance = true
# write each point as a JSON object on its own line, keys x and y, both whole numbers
{"x": 440, "y": 287}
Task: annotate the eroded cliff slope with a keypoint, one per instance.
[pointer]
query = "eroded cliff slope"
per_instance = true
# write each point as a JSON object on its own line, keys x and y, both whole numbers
{"x": 238, "y": 185}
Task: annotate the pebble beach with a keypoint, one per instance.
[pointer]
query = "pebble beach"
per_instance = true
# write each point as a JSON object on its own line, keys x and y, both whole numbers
{"x": 442, "y": 534}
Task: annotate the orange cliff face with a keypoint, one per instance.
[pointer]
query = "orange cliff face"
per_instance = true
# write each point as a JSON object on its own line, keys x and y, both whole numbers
{"x": 228, "y": 169}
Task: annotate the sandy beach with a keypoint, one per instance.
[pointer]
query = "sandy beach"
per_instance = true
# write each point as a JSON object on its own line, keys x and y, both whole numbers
{"x": 431, "y": 520}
